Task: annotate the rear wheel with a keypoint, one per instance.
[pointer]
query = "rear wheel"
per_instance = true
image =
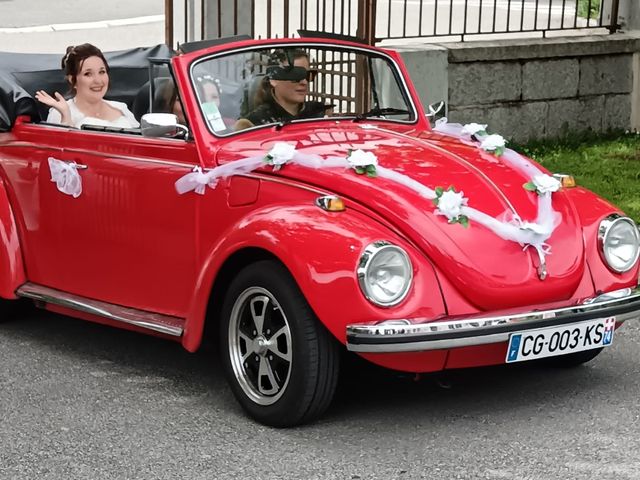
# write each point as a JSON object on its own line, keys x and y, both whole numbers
{"x": 573, "y": 359}
{"x": 281, "y": 363}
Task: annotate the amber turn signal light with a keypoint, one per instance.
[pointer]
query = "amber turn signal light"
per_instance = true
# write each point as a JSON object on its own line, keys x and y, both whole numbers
{"x": 331, "y": 203}
{"x": 567, "y": 181}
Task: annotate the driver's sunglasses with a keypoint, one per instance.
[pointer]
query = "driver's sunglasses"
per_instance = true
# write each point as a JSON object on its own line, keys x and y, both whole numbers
{"x": 311, "y": 76}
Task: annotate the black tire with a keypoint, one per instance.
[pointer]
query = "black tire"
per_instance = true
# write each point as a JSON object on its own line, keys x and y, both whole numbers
{"x": 12, "y": 309}
{"x": 281, "y": 363}
{"x": 573, "y": 359}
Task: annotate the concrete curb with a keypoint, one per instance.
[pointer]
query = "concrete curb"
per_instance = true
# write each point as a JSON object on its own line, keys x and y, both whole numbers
{"x": 60, "y": 27}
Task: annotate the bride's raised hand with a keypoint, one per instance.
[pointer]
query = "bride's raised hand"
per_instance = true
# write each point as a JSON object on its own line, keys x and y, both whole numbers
{"x": 57, "y": 102}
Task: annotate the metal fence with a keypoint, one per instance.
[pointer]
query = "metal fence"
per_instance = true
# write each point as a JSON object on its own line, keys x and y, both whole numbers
{"x": 377, "y": 20}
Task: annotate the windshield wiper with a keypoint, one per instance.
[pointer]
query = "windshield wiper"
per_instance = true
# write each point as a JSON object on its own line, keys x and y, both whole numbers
{"x": 380, "y": 112}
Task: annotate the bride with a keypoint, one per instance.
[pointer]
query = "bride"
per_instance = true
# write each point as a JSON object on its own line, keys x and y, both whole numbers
{"x": 87, "y": 72}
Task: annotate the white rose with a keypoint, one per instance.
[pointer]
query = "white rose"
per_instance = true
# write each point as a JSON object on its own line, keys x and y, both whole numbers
{"x": 492, "y": 143}
{"x": 546, "y": 184}
{"x": 473, "y": 128}
{"x": 360, "y": 158}
{"x": 450, "y": 204}
{"x": 281, "y": 153}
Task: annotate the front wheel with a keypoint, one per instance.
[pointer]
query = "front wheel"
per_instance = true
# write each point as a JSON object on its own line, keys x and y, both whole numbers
{"x": 281, "y": 363}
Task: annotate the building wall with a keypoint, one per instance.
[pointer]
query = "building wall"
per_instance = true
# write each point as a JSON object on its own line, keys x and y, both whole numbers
{"x": 534, "y": 88}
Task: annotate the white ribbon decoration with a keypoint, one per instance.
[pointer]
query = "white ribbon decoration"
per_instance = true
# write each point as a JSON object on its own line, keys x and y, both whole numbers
{"x": 66, "y": 176}
{"x": 528, "y": 234}
{"x": 197, "y": 180}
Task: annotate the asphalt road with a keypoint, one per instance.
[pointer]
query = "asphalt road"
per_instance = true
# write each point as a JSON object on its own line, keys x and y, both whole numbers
{"x": 83, "y": 401}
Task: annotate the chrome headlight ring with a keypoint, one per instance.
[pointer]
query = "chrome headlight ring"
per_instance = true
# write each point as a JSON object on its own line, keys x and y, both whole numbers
{"x": 619, "y": 242}
{"x": 385, "y": 273}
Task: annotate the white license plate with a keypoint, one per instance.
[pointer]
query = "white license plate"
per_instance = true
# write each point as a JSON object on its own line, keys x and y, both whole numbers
{"x": 552, "y": 341}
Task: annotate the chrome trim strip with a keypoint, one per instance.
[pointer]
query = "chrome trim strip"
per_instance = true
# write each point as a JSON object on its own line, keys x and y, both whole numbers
{"x": 151, "y": 321}
{"x": 188, "y": 166}
{"x": 405, "y": 336}
{"x": 117, "y": 156}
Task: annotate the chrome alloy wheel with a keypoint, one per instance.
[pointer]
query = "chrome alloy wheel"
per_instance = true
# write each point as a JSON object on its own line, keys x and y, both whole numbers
{"x": 260, "y": 345}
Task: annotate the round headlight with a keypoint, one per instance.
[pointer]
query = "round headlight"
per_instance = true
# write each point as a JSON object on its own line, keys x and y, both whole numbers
{"x": 384, "y": 273}
{"x": 619, "y": 242}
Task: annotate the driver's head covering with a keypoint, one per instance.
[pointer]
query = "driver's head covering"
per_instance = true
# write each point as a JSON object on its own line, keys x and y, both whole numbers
{"x": 281, "y": 65}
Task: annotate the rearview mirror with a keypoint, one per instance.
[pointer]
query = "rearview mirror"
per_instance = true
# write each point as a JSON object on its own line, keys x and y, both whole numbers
{"x": 161, "y": 125}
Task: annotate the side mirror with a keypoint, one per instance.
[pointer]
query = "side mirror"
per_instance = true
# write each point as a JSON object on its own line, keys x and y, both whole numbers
{"x": 161, "y": 125}
{"x": 436, "y": 111}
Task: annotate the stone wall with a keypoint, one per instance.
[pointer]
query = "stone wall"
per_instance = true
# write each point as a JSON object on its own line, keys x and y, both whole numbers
{"x": 534, "y": 88}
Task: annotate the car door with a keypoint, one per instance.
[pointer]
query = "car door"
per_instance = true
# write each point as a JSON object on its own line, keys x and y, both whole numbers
{"x": 128, "y": 238}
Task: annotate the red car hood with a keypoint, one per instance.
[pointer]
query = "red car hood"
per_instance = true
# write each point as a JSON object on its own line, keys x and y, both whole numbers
{"x": 488, "y": 271}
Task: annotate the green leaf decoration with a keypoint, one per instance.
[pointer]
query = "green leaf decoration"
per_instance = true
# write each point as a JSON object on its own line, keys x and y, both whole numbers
{"x": 464, "y": 221}
{"x": 435, "y": 201}
{"x": 530, "y": 187}
{"x": 359, "y": 170}
{"x": 439, "y": 191}
{"x": 451, "y": 188}
{"x": 268, "y": 158}
{"x": 498, "y": 151}
{"x": 371, "y": 171}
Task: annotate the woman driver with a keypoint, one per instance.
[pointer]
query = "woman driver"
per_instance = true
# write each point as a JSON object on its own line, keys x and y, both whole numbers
{"x": 281, "y": 96}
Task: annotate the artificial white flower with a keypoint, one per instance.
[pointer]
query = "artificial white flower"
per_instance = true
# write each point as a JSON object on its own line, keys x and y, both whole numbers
{"x": 546, "y": 184}
{"x": 492, "y": 143}
{"x": 281, "y": 153}
{"x": 360, "y": 158}
{"x": 473, "y": 128}
{"x": 450, "y": 204}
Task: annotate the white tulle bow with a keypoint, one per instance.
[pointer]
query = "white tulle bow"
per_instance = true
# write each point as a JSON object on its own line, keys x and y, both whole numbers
{"x": 66, "y": 176}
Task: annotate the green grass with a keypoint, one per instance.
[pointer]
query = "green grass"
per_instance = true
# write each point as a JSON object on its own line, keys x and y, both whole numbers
{"x": 607, "y": 165}
{"x": 594, "y": 11}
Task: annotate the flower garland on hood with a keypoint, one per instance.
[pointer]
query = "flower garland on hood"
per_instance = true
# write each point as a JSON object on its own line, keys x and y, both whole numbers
{"x": 449, "y": 203}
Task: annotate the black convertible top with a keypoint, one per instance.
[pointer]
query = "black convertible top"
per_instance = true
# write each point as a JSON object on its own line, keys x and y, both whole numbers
{"x": 22, "y": 74}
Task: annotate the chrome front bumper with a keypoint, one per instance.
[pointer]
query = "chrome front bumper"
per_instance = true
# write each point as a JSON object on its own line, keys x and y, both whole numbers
{"x": 417, "y": 336}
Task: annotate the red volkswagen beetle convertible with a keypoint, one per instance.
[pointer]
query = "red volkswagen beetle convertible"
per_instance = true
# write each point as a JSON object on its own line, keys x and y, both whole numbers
{"x": 350, "y": 223}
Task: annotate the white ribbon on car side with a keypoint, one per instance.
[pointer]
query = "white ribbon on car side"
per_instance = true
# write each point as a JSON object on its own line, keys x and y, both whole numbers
{"x": 450, "y": 203}
{"x": 66, "y": 176}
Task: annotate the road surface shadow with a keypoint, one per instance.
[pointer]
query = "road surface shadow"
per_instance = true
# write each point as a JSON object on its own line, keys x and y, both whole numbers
{"x": 364, "y": 390}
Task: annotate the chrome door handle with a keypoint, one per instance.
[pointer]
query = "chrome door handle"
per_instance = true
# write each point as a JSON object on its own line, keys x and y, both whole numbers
{"x": 71, "y": 163}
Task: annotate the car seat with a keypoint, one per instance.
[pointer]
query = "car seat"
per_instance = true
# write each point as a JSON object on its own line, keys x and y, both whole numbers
{"x": 141, "y": 103}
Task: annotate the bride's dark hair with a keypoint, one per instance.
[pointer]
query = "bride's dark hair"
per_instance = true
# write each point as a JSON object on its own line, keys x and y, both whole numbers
{"x": 74, "y": 58}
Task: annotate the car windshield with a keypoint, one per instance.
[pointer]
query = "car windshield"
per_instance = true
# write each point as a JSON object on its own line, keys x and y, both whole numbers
{"x": 279, "y": 85}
